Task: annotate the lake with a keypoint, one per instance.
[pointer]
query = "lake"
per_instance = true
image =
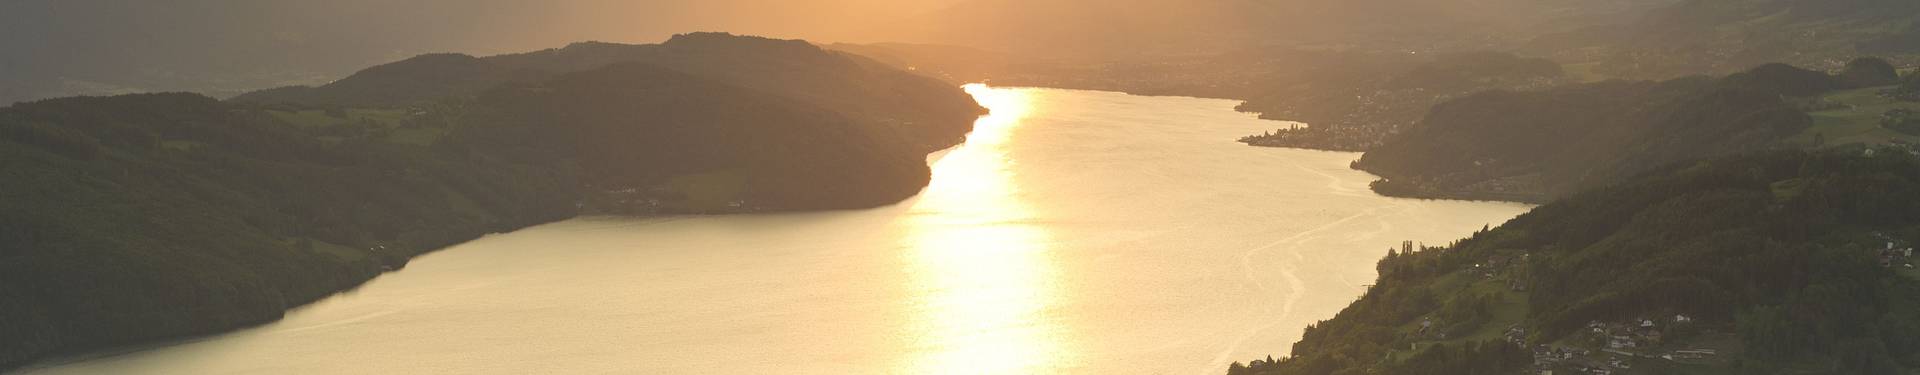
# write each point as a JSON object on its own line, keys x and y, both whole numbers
{"x": 1075, "y": 232}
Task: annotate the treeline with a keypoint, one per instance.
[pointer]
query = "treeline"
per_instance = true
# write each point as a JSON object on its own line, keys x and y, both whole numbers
{"x": 1783, "y": 248}
{"x": 1552, "y": 143}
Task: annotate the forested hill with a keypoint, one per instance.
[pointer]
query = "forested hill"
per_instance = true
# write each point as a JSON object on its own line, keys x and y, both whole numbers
{"x": 1785, "y": 262}
{"x": 928, "y": 111}
{"x": 137, "y": 218}
{"x": 1537, "y": 145}
{"x": 634, "y": 125}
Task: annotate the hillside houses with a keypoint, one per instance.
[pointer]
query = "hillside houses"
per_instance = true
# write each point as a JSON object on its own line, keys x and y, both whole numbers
{"x": 1894, "y": 254}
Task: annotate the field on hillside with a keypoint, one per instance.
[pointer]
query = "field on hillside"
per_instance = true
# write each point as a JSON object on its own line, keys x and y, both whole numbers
{"x": 384, "y": 124}
{"x": 1857, "y": 120}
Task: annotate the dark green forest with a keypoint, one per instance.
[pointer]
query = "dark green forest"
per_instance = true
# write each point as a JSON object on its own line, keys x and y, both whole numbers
{"x": 132, "y": 219}
{"x": 1776, "y": 259}
{"x": 1539, "y": 145}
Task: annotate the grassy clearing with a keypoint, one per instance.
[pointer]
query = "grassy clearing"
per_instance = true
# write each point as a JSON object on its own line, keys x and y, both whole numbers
{"x": 1859, "y": 122}
{"x": 314, "y": 118}
{"x": 387, "y": 120}
{"x": 1787, "y": 190}
{"x": 1510, "y": 310}
{"x": 390, "y": 117}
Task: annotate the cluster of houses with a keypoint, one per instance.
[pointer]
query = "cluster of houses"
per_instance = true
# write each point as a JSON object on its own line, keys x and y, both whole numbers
{"x": 1349, "y": 138}
{"x": 1631, "y": 335}
{"x": 1894, "y": 147}
{"x": 1550, "y": 360}
{"x": 1427, "y": 330}
{"x": 1617, "y": 344}
{"x": 1893, "y": 255}
{"x": 1516, "y": 335}
{"x": 1547, "y": 355}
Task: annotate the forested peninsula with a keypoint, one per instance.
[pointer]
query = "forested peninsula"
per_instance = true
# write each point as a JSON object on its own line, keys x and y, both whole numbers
{"x": 139, "y": 218}
{"x": 1777, "y": 262}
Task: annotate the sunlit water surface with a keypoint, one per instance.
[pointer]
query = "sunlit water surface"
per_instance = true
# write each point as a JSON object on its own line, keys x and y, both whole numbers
{"x": 1075, "y": 232}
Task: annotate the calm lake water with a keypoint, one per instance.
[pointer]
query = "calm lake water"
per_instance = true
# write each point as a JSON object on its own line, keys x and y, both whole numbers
{"x": 1075, "y": 232}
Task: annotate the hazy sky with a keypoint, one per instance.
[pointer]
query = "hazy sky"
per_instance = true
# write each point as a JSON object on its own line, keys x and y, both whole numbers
{"x": 815, "y": 19}
{"x": 49, "y": 46}
{"x": 545, "y": 23}
{"x": 65, "y": 47}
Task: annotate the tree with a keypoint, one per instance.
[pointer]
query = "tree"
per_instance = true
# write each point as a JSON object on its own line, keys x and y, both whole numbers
{"x": 1869, "y": 72}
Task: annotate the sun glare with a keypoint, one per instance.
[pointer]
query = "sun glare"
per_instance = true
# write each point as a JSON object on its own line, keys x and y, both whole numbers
{"x": 983, "y": 273}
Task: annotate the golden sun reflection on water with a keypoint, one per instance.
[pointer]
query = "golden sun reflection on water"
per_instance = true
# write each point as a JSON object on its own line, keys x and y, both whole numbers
{"x": 983, "y": 273}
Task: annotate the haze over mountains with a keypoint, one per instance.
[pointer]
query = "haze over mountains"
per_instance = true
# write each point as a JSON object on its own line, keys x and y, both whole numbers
{"x": 224, "y": 47}
{"x": 1722, "y": 37}
{"x": 1082, "y": 28}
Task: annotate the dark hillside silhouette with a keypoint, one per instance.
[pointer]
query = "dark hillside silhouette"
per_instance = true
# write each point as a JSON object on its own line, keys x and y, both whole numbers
{"x": 138, "y": 218}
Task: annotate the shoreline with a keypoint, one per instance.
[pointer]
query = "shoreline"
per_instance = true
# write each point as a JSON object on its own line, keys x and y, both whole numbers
{"x": 1473, "y": 196}
{"x": 59, "y": 357}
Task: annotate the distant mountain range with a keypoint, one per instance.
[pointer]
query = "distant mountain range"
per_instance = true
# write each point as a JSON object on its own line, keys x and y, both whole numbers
{"x": 1626, "y": 38}
{"x": 1720, "y": 37}
{"x": 1132, "y": 30}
